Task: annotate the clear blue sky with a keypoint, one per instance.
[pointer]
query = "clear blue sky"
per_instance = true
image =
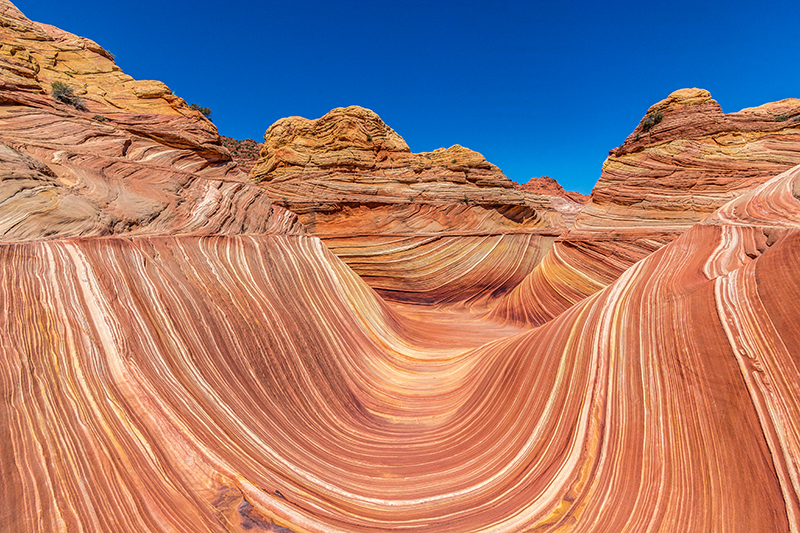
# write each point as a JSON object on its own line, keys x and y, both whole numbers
{"x": 539, "y": 88}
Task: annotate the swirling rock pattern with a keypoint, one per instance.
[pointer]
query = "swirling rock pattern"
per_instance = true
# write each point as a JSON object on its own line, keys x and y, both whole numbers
{"x": 684, "y": 160}
{"x": 256, "y": 383}
{"x": 192, "y": 373}
{"x": 435, "y": 227}
{"x": 140, "y": 168}
{"x": 569, "y": 203}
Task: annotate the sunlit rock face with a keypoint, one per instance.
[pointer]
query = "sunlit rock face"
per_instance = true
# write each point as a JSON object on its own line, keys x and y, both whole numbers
{"x": 34, "y": 55}
{"x": 683, "y": 161}
{"x": 231, "y": 377}
{"x": 569, "y": 203}
{"x": 122, "y": 161}
{"x": 440, "y": 227}
{"x": 213, "y": 383}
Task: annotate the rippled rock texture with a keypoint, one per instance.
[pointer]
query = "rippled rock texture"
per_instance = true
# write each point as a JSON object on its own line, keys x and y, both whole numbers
{"x": 684, "y": 160}
{"x": 236, "y": 383}
{"x": 193, "y": 374}
{"x": 440, "y": 227}
{"x": 124, "y": 160}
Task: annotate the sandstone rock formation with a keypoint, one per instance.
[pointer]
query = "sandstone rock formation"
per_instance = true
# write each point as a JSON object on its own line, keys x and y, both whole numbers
{"x": 550, "y": 187}
{"x": 244, "y": 153}
{"x": 684, "y": 160}
{"x": 568, "y": 203}
{"x": 193, "y": 374}
{"x": 433, "y": 227}
{"x": 128, "y": 160}
{"x": 275, "y": 388}
{"x": 34, "y": 55}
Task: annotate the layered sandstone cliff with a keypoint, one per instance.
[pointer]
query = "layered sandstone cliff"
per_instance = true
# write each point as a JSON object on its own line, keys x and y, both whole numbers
{"x": 684, "y": 160}
{"x": 125, "y": 158}
{"x": 237, "y": 383}
{"x": 433, "y": 227}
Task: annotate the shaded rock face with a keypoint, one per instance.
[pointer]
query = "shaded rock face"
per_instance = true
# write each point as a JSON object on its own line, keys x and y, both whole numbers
{"x": 128, "y": 159}
{"x": 683, "y": 161}
{"x": 434, "y": 227}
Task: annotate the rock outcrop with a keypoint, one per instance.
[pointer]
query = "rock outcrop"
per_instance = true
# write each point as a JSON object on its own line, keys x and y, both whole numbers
{"x": 190, "y": 373}
{"x": 435, "y": 227}
{"x": 224, "y": 383}
{"x": 244, "y": 153}
{"x": 34, "y": 55}
{"x": 125, "y": 158}
{"x": 683, "y": 161}
{"x": 550, "y": 187}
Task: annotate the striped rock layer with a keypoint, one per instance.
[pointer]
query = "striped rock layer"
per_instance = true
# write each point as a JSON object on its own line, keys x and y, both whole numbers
{"x": 240, "y": 383}
{"x": 214, "y": 368}
{"x": 684, "y": 160}
{"x": 440, "y": 227}
{"x": 122, "y": 161}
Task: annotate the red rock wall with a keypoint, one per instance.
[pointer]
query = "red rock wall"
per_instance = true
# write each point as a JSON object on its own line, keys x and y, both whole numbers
{"x": 275, "y": 388}
{"x": 660, "y": 182}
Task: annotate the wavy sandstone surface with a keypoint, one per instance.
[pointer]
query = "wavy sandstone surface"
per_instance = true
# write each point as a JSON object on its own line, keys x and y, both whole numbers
{"x": 256, "y": 383}
{"x": 439, "y": 227}
{"x": 126, "y": 161}
{"x": 215, "y": 368}
{"x": 684, "y": 160}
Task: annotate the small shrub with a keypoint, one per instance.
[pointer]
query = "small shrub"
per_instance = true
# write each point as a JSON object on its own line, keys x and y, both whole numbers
{"x": 454, "y": 161}
{"x": 781, "y": 118}
{"x": 369, "y": 138}
{"x": 100, "y": 118}
{"x": 204, "y": 110}
{"x": 651, "y": 120}
{"x": 66, "y": 94}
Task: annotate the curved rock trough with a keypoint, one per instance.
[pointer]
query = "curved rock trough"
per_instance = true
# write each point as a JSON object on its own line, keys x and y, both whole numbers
{"x": 181, "y": 354}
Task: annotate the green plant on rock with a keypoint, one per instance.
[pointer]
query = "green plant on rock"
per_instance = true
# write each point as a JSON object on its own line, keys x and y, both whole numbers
{"x": 781, "y": 118}
{"x": 650, "y": 120}
{"x": 204, "y": 110}
{"x": 66, "y": 94}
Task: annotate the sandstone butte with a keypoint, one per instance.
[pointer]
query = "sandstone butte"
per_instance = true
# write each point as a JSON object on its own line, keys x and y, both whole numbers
{"x": 439, "y": 227}
{"x": 684, "y": 160}
{"x": 187, "y": 373}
